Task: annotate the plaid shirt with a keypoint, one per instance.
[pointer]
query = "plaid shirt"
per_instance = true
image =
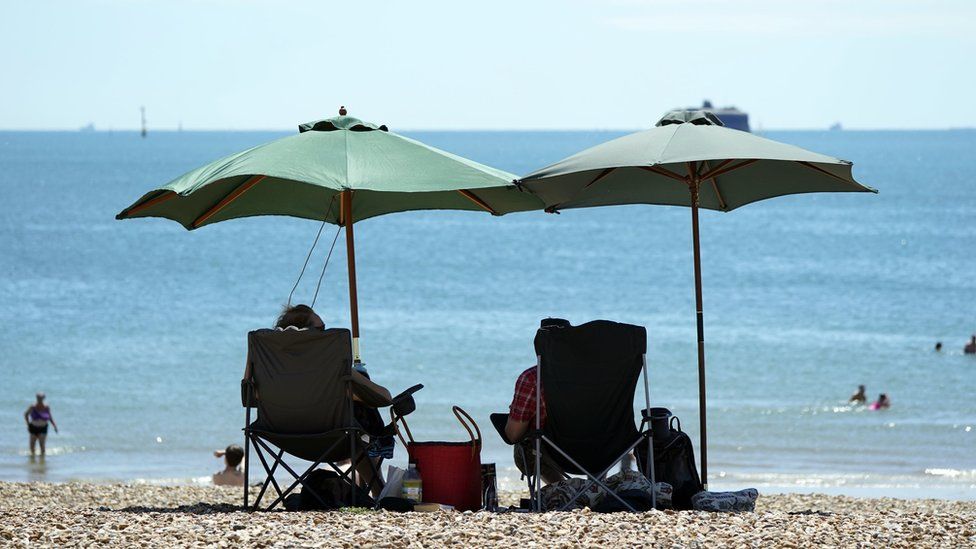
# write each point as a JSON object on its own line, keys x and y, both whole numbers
{"x": 523, "y": 403}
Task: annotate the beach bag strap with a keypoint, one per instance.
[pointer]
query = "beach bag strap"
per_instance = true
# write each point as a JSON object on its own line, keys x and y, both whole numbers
{"x": 402, "y": 419}
{"x": 475, "y": 442}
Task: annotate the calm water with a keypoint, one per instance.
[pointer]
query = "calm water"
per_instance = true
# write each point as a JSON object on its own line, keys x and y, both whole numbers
{"x": 136, "y": 329}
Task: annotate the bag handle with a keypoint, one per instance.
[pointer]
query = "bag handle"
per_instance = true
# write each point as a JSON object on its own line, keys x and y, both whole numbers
{"x": 475, "y": 442}
{"x": 402, "y": 419}
{"x": 673, "y": 419}
{"x": 458, "y": 412}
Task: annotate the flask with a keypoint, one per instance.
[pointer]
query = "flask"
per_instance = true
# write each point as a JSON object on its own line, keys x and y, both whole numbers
{"x": 413, "y": 485}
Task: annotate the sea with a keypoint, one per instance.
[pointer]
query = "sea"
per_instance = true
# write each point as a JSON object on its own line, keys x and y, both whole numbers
{"x": 136, "y": 329}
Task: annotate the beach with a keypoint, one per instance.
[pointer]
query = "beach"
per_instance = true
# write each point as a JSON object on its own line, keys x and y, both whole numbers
{"x": 85, "y": 514}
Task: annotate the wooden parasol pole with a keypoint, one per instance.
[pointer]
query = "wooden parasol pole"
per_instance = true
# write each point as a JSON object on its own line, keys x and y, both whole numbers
{"x": 693, "y": 185}
{"x": 347, "y": 220}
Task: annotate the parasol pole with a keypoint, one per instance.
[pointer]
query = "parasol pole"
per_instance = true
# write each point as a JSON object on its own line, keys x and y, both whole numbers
{"x": 347, "y": 220}
{"x": 693, "y": 185}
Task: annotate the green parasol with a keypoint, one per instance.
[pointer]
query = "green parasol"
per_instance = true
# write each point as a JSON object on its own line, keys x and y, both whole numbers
{"x": 688, "y": 159}
{"x": 337, "y": 170}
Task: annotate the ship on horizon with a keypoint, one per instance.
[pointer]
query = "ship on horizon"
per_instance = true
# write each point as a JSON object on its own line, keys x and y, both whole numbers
{"x": 732, "y": 117}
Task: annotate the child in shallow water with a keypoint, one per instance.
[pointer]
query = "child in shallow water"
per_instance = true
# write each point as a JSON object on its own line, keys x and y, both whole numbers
{"x": 232, "y": 474}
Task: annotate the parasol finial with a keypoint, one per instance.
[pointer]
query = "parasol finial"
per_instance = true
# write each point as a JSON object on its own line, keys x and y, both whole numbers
{"x": 342, "y": 110}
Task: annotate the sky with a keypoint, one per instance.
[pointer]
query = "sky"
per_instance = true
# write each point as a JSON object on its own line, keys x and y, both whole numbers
{"x": 494, "y": 65}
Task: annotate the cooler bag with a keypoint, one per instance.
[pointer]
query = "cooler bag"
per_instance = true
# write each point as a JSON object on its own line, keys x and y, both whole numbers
{"x": 450, "y": 471}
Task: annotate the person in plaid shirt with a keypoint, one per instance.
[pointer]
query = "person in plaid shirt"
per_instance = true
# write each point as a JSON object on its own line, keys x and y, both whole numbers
{"x": 521, "y": 419}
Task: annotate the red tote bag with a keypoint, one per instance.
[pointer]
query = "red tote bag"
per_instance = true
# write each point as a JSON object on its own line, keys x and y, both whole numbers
{"x": 450, "y": 471}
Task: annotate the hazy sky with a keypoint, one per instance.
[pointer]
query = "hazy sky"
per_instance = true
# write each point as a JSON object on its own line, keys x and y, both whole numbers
{"x": 253, "y": 64}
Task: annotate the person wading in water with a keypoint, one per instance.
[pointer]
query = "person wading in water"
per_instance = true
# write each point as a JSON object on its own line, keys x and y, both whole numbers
{"x": 37, "y": 416}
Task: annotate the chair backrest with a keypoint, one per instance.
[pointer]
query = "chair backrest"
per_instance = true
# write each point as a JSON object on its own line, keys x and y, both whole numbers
{"x": 301, "y": 379}
{"x": 589, "y": 374}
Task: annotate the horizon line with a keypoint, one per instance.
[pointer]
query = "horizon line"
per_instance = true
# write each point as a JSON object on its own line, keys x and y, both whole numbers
{"x": 95, "y": 129}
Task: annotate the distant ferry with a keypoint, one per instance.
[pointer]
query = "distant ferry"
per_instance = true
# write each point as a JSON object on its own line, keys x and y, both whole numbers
{"x": 730, "y": 116}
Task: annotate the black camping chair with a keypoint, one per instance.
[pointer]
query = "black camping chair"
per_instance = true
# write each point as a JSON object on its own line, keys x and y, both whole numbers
{"x": 590, "y": 375}
{"x": 301, "y": 383}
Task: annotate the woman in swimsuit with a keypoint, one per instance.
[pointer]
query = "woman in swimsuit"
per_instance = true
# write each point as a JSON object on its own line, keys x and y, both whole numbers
{"x": 37, "y": 416}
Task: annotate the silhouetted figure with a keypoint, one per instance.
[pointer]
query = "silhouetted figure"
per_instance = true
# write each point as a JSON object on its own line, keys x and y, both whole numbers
{"x": 859, "y": 397}
{"x": 970, "y": 348}
{"x": 938, "y": 346}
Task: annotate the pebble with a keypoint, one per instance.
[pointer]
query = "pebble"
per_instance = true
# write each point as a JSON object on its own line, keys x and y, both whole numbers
{"x": 113, "y": 515}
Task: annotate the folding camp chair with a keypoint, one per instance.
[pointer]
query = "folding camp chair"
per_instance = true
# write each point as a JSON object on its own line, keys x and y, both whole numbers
{"x": 302, "y": 385}
{"x": 590, "y": 375}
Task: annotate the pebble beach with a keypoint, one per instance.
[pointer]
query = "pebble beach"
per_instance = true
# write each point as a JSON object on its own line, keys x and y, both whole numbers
{"x": 84, "y": 515}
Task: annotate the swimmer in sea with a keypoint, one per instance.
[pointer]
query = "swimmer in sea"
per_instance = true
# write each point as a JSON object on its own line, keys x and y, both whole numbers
{"x": 883, "y": 403}
{"x": 859, "y": 397}
{"x": 970, "y": 348}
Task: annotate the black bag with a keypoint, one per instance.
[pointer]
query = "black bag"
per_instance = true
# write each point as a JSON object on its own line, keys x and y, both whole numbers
{"x": 331, "y": 490}
{"x": 674, "y": 462}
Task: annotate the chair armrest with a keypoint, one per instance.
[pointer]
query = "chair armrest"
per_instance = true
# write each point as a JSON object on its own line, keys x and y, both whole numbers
{"x": 404, "y": 403}
{"x": 499, "y": 421}
{"x": 247, "y": 394}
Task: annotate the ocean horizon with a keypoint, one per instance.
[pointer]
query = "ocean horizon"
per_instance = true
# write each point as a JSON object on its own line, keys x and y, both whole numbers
{"x": 136, "y": 329}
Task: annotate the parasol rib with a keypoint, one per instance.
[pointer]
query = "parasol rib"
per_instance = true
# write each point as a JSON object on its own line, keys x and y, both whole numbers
{"x": 666, "y": 173}
{"x": 719, "y": 166}
{"x": 474, "y": 198}
{"x": 232, "y": 196}
{"x": 714, "y": 182}
{"x": 825, "y": 172}
{"x": 722, "y": 171}
{"x": 603, "y": 174}
{"x": 166, "y": 195}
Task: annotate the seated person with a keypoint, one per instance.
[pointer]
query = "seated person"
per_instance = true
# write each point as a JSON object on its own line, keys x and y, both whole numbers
{"x": 860, "y": 397}
{"x": 302, "y": 317}
{"x": 970, "y": 348}
{"x": 521, "y": 419}
{"x": 232, "y": 474}
{"x": 883, "y": 403}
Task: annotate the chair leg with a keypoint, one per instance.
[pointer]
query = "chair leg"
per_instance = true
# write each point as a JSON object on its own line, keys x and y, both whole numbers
{"x": 299, "y": 479}
{"x": 269, "y": 470}
{"x": 247, "y": 451}
{"x": 591, "y": 478}
{"x": 529, "y": 477}
{"x": 260, "y": 447}
{"x": 352, "y": 465}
